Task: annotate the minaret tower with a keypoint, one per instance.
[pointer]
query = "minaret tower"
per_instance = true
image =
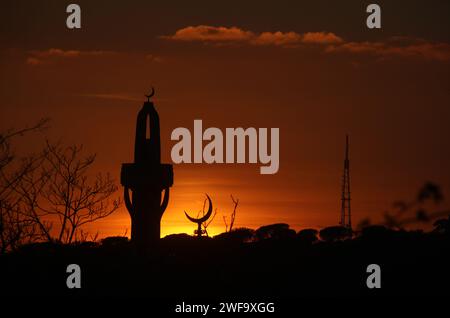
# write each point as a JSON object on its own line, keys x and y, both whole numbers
{"x": 147, "y": 178}
{"x": 346, "y": 219}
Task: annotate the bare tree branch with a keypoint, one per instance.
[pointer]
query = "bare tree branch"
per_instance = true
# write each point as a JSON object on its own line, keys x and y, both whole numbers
{"x": 229, "y": 227}
{"x": 15, "y": 227}
{"x": 60, "y": 197}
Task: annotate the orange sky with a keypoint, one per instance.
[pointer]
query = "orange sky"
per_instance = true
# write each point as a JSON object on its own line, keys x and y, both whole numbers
{"x": 316, "y": 79}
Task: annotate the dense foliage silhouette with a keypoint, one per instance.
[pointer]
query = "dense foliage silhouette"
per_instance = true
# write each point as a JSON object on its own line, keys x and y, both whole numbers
{"x": 272, "y": 261}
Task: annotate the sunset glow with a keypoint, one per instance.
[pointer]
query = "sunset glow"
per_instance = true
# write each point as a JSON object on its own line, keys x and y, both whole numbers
{"x": 315, "y": 83}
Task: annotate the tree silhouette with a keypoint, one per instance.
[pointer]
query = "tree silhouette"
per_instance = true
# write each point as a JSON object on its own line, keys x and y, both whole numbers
{"x": 417, "y": 210}
{"x": 422, "y": 209}
{"x": 238, "y": 235}
{"x": 275, "y": 231}
{"x": 15, "y": 229}
{"x": 229, "y": 227}
{"x": 334, "y": 233}
{"x": 307, "y": 235}
{"x": 59, "y": 197}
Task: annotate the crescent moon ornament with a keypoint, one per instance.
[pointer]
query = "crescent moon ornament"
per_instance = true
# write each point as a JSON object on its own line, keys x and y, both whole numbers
{"x": 150, "y": 95}
{"x": 199, "y": 221}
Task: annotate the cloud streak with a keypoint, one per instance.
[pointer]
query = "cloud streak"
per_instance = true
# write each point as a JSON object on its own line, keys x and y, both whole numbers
{"x": 329, "y": 42}
{"x": 207, "y": 33}
{"x": 42, "y": 57}
{"x": 123, "y": 97}
{"x": 212, "y": 34}
{"x": 428, "y": 51}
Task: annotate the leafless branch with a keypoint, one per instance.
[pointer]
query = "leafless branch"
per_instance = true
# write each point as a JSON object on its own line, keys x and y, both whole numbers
{"x": 229, "y": 227}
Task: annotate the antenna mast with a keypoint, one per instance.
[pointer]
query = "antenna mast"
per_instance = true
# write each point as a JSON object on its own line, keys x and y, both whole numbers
{"x": 346, "y": 220}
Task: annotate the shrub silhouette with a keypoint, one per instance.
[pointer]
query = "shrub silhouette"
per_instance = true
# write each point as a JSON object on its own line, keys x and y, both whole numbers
{"x": 114, "y": 241}
{"x": 238, "y": 235}
{"x": 307, "y": 235}
{"x": 182, "y": 265}
{"x": 177, "y": 237}
{"x": 376, "y": 232}
{"x": 275, "y": 231}
{"x": 334, "y": 233}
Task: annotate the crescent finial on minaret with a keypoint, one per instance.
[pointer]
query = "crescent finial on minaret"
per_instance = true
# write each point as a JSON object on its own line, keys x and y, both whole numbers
{"x": 150, "y": 95}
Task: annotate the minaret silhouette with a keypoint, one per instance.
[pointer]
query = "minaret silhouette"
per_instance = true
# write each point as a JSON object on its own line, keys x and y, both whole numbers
{"x": 147, "y": 177}
{"x": 346, "y": 217}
